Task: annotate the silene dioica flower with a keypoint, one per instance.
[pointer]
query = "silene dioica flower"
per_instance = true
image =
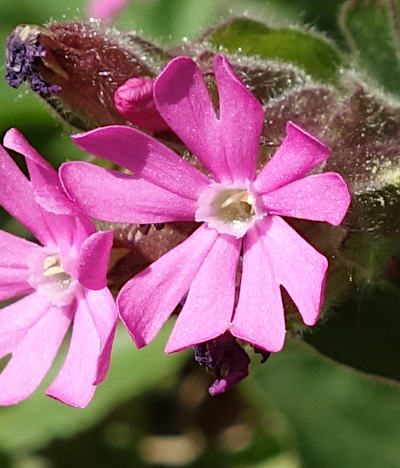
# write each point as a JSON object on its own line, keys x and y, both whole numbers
{"x": 63, "y": 280}
{"x": 240, "y": 211}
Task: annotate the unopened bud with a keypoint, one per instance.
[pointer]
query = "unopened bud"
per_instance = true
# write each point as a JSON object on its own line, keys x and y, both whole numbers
{"x": 84, "y": 63}
{"x": 134, "y": 100}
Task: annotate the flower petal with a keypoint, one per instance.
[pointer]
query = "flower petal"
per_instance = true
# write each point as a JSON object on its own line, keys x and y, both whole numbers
{"x": 298, "y": 154}
{"x": 241, "y": 120}
{"x": 14, "y": 270}
{"x": 144, "y": 156}
{"x": 105, "y": 9}
{"x": 103, "y": 309}
{"x": 112, "y": 196}
{"x": 14, "y": 188}
{"x": 93, "y": 260}
{"x": 319, "y": 197}
{"x": 149, "y": 298}
{"x": 17, "y": 318}
{"x": 208, "y": 309}
{"x": 15, "y": 251}
{"x": 183, "y": 101}
{"x": 33, "y": 356}
{"x": 298, "y": 267}
{"x": 259, "y": 317}
{"x": 57, "y": 209}
{"x": 74, "y": 383}
{"x": 7, "y": 291}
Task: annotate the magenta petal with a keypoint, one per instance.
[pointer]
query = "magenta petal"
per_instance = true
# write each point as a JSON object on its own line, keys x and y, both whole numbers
{"x": 33, "y": 356}
{"x": 15, "y": 251}
{"x": 105, "y": 9}
{"x": 320, "y": 197}
{"x": 16, "y": 197}
{"x": 93, "y": 260}
{"x": 208, "y": 309}
{"x": 7, "y": 291}
{"x": 74, "y": 383}
{"x": 298, "y": 267}
{"x": 14, "y": 272}
{"x": 183, "y": 101}
{"x": 149, "y": 298}
{"x": 103, "y": 309}
{"x": 116, "y": 197}
{"x": 47, "y": 190}
{"x": 241, "y": 120}
{"x": 259, "y": 316}
{"x": 17, "y": 318}
{"x": 298, "y": 154}
{"x": 145, "y": 157}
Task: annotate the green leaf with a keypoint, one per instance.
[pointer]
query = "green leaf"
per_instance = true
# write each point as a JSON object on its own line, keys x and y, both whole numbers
{"x": 372, "y": 31}
{"x": 38, "y": 420}
{"x": 363, "y": 332}
{"x": 309, "y": 51}
{"x": 341, "y": 419}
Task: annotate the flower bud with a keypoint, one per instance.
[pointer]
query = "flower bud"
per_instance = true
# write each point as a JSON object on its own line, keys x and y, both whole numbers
{"x": 134, "y": 100}
{"x": 84, "y": 64}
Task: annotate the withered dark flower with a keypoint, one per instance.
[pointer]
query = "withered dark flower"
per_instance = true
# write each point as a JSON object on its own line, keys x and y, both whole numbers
{"x": 23, "y": 55}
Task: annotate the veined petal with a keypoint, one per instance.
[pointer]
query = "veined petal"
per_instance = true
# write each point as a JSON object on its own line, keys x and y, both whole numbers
{"x": 74, "y": 383}
{"x": 208, "y": 309}
{"x": 149, "y": 298}
{"x": 144, "y": 156}
{"x": 298, "y": 267}
{"x": 319, "y": 197}
{"x": 103, "y": 309}
{"x": 7, "y": 291}
{"x": 259, "y": 317}
{"x": 116, "y": 197}
{"x": 43, "y": 176}
{"x": 17, "y": 318}
{"x": 33, "y": 356}
{"x": 56, "y": 208}
{"x": 298, "y": 154}
{"x": 183, "y": 101}
{"x": 93, "y": 260}
{"x": 16, "y": 197}
{"x": 241, "y": 120}
{"x": 15, "y": 251}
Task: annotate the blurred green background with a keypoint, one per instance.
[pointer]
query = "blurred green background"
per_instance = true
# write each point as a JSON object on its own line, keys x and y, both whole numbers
{"x": 298, "y": 410}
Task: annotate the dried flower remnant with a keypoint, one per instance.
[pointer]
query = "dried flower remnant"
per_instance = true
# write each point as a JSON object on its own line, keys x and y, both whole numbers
{"x": 64, "y": 283}
{"x": 239, "y": 211}
{"x": 23, "y": 54}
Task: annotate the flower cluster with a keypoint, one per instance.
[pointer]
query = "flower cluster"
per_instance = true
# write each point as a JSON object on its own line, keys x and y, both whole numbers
{"x": 227, "y": 275}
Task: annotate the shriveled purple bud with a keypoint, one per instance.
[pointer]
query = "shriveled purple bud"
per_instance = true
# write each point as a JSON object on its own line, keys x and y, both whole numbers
{"x": 23, "y": 55}
{"x": 134, "y": 100}
{"x": 226, "y": 359}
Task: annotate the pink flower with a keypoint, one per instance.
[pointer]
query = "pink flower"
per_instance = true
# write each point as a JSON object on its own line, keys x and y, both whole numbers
{"x": 105, "y": 9}
{"x": 63, "y": 282}
{"x": 241, "y": 213}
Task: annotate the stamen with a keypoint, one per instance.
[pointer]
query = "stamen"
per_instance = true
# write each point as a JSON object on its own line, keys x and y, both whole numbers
{"x": 228, "y": 209}
{"x": 50, "y": 279}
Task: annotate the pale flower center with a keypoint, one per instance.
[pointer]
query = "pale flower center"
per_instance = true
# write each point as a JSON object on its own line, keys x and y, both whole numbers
{"x": 228, "y": 208}
{"x": 50, "y": 279}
